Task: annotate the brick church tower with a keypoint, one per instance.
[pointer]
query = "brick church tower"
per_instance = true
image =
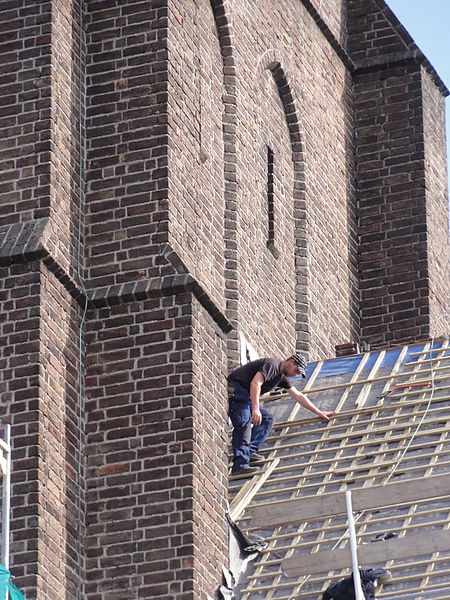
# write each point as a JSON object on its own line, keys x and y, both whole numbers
{"x": 180, "y": 179}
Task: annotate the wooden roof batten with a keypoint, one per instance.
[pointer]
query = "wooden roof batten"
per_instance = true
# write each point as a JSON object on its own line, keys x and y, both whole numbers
{"x": 398, "y": 470}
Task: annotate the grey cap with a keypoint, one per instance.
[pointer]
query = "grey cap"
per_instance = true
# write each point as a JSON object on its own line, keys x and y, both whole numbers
{"x": 301, "y": 363}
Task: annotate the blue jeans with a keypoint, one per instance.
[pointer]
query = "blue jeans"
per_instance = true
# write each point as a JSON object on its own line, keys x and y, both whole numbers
{"x": 246, "y": 439}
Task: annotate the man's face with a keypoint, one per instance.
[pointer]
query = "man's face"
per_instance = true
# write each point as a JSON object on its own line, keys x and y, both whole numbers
{"x": 291, "y": 368}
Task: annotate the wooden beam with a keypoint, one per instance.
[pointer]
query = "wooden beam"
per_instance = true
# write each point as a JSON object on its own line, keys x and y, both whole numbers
{"x": 368, "y": 554}
{"x": 360, "y": 411}
{"x": 311, "y": 508}
{"x": 441, "y": 348}
{"x": 239, "y": 504}
{"x": 337, "y": 386}
{"x": 345, "y": 434}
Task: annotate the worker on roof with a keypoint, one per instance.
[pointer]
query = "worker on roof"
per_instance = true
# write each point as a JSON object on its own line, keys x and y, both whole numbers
{"x": 252, "y": 423}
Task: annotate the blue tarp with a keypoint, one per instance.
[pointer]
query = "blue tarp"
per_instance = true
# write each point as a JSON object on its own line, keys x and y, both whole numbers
{"x": 348, "y": 364}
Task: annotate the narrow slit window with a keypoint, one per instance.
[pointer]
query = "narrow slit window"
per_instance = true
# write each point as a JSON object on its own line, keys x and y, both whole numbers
{"x": 270, "y": 197}
{"x": 271, "y": 203}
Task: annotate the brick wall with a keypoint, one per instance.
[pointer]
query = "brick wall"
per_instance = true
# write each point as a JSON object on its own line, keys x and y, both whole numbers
{"x": 38, "y": 156}
{"x": 25, "y": 116}
{"x": 196, "y": 206}
{"x": 193, "y": 228}
{"x": 39, "y": 90}
{"x": 210, "y": 446}
{"x": 324, "y": 309}
{"x": 437, "y": 204}
{"x": 333, "y": 15}
{"x": 156, "y": 475}
{"x": 401, "y": 197}
{"x": 127, "y": 144}
{"x": 155, "y": 222}
{"x": 19, "y": 352}
{"x": 61, "y": 489}
{"x": 39, "y": 397}
{"x": 392, "y": 210}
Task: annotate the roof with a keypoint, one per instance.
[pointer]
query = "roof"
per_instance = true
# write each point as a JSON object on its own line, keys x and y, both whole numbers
{"x": 389, "y": 444}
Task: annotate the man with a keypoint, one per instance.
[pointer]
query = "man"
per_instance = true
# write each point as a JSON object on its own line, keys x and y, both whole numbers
{"x": 252, "y": 424}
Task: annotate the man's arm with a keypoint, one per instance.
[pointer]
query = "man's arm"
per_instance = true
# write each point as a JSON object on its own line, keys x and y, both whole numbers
{"x": 255, "y": 392}
{"x": 304, "y": 401}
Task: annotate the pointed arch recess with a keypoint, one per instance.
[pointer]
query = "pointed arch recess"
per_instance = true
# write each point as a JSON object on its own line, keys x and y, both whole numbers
{"x": 271, "y": 60}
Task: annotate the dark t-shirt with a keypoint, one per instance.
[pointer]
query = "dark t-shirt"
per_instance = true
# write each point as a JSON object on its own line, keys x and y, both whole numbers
{"x": 269, "y": 367}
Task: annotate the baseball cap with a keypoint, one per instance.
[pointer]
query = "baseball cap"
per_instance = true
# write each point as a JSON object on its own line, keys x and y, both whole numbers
{"x": 301, "y": 363}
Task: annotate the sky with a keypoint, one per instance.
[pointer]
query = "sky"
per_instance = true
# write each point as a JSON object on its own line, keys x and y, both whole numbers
{"x": 428, "y": 23}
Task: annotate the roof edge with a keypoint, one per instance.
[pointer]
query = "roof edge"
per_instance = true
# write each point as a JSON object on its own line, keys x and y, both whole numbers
{"x": 417, "y": 53}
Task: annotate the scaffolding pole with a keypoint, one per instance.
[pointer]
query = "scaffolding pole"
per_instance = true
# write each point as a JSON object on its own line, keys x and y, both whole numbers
{"x": 353, "y": 547}
{"x": 5, "y": 465}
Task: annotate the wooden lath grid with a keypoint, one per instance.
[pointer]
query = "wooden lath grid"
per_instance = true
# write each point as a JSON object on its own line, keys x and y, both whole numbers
{"x": 368, "y": 442}
{"x": 357, "y": 450}
{"x": 414, "y": 519}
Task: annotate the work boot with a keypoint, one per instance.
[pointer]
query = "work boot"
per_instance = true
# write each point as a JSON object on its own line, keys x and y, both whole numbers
{"x": 256, "y": 458}
{"x": 245, "y": 471}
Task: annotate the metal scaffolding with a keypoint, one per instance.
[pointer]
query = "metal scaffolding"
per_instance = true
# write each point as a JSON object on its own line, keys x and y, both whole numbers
{"x": 5, "y": 468}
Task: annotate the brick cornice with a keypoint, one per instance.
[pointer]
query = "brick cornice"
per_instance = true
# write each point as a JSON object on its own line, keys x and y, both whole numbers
{"x": 36, "y": 240}
{"x": 168, "y": 285}
{"x": 400, "y": 58}
{"x": 415, "y": 52}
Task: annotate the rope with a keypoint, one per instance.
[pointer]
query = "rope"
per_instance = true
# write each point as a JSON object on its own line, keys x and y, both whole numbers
{"x": 81, "y": 281}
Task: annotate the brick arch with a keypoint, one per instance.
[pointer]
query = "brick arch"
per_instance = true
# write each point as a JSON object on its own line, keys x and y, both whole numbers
{"x": 221, "y": 11}
{"x": 272, "y": 61}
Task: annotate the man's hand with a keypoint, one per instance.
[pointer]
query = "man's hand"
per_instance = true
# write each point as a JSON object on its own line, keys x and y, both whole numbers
{"x": 256, "y": 417}
{"x": 325, "y": 415}
{"x": 255, "y": 391}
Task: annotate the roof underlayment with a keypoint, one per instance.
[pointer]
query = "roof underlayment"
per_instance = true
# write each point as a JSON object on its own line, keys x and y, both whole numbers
{"x": 389, "y": 444}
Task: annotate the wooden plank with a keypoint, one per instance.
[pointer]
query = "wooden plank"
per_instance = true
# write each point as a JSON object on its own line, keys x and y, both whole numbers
{"x": 345, "y": 435}
{"x": 362, "y": 396}
{"x": 326, "y": 461}
{"x": 353, "y": 380}
{"x": 337, "y": 386}
{"x": 373, "y": 521}
{"x": 361, "y": 536}
{"x": 397, "y": 566}
{"x": 441, "y": 348}
{"x": 368, "y": 554}
{"x": 282, "y": 512}
{"x": 270, "y": 397}
{"x": 238, "y": 506}
{"x": 424, "y": 433}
